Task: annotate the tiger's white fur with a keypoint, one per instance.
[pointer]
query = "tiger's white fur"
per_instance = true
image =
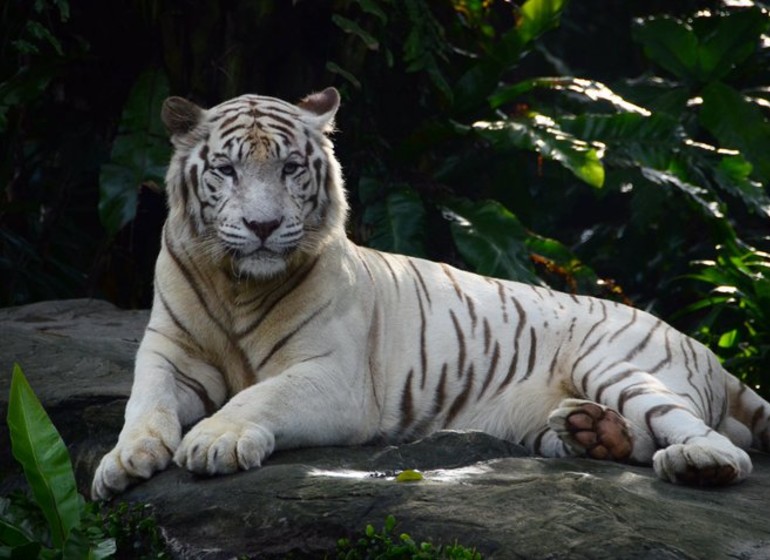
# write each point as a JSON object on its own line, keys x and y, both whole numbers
{"x": 272, "y": 330}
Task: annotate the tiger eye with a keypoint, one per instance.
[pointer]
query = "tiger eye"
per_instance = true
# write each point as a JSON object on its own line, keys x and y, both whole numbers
{"x": 226, "y": 170}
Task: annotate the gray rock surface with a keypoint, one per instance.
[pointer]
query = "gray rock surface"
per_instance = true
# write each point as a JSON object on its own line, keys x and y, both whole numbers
{"x": 478, "y": 490}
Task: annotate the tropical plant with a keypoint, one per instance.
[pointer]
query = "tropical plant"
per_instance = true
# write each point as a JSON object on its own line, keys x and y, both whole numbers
{"x": 55, "y": 522}
{"x": 385, "y": 544}
{"x": 736, "y": 311}
{"x": 51, "y": 520}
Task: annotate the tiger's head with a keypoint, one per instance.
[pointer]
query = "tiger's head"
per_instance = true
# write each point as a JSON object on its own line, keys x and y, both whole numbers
{"x": 255, "y": 180}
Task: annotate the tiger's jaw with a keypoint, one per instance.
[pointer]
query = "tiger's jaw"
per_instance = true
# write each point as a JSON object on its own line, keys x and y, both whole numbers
{"x": 261, "y": 264}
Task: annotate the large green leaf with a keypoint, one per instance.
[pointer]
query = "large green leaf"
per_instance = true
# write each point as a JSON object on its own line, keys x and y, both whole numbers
{"x": 671, "y": 44}
{"x": 737, "y": 123}
{"x": 734, "y": 175}
{"x": 537, "y": 17}
{"x": 38, "y": 447}
{"x": 140, "y": 152}
{"x": 623, "y": 128}
{"x": 490, "y": 239}
{"x": 706, "y": 49}
{"x": 587, "y": 89}
{"x": 479, "y": 81}
{"x": 727, "y": 41}
{"x": 397, "y": 219}
{"x": 350, "y": 26}
{"x": 541, "y": 134}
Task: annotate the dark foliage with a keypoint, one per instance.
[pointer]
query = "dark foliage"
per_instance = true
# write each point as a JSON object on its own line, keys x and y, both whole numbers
{"x": 598, "y": 147}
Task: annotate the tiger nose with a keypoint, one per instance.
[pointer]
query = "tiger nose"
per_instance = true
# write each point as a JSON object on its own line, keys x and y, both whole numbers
{"x": 262, "y": 229}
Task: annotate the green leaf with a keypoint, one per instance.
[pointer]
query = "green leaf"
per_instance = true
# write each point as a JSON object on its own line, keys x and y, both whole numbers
{"x": 397, "y": 219}
{"x": 490, "y": 239}
{"x": 24, "y": 87}
{"x": 542, "y": 134}
{"x": 732, "y": 40}
{"x": 589, "y": 89}
{"x": 537, "y": 17}
{"x": 39, "y": 449}
{"x": 140, "y": 152}
{"x": 409, "y": 475}
{"x": 371, "y": 7}
{"x": 737, "y": 123}
{"x": 734, "y": 175}
{"x": 669, "y": 43}
{"x": 702, "y": 197}
{"x": 12, "y": 535}
{"x": 335, "y": 68}
{"x": 728, "y": 339}
{"x": 350, "y": 26}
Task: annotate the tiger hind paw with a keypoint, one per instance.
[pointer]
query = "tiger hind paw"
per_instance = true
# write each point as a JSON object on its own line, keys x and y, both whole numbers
{"x": 697, "y": 464}
{"x": 592, "y": 430}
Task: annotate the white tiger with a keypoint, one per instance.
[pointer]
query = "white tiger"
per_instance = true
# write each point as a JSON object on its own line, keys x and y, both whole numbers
{"x": 271, "y": 330}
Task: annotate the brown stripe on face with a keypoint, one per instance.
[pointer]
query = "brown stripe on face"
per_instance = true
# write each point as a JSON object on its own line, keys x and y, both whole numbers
{"x": 232, "y": 131}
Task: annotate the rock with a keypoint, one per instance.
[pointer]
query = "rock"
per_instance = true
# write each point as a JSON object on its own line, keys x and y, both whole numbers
{"x": 476, "y": 489}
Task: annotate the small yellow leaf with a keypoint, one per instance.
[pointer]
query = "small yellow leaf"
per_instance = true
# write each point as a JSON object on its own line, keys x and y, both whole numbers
{"x": 409, "y": 475}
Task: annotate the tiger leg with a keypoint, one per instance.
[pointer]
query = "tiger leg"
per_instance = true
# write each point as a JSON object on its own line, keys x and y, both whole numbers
{"x": 289, "y": 410}
{"x": 157, "y": 409}
{"x": 686, "y": 450}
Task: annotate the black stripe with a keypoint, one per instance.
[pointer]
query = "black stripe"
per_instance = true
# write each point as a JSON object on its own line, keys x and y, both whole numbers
{"x": 193, "y": 384}
{"x": 462, "y": 398}
{"x": 532, "y": 354}
{"x": 460, "y": 343}
{"x": 407, "y": 405}
{"x": 452, "y": 279}
{"x": 423, "y": 344}
{"x": 422, "y": 281}
{"x": 492, "y": 368}
{"x": 516, "y": 337}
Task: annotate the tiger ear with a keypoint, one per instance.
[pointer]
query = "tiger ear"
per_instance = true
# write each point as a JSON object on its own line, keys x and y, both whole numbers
{"x": 323, "y": 105}
{"x": 180, "y": 115}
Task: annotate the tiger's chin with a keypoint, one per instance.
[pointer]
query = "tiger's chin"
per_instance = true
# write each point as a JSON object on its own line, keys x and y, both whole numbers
{"x": 263, "y": 265}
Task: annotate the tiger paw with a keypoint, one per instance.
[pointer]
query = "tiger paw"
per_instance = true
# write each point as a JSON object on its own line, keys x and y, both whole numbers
{"x": 220, "y": 446}
{"x": 138, "y": 454}
{"x": 699, "y": 464}
{"x": 593, "y": 430}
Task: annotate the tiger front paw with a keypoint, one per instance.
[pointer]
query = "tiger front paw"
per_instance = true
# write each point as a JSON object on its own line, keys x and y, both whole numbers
{"x": 138, "y": 455}
{"x": 217, "y": 445}
{"x": 701, "y": 464}
{"x": 592, "y": 430}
